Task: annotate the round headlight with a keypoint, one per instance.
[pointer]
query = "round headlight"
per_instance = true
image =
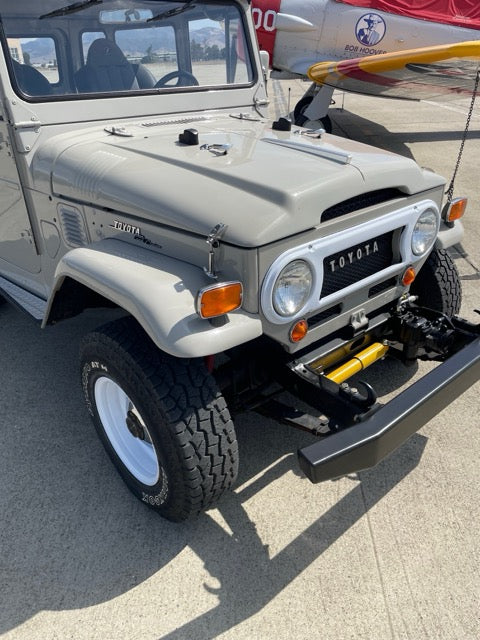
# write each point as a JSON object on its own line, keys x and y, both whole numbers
{"x": 424, "y": 232}
{"x": 292, "y": 288}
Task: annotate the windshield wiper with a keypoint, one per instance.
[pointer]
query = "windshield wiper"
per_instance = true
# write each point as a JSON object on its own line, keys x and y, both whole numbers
{"x": 70, "y": 8}
{"x": 173, "y": 12}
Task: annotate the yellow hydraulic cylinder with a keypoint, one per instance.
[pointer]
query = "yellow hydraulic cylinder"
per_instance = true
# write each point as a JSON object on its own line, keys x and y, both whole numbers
{"x": 360, "y": 361}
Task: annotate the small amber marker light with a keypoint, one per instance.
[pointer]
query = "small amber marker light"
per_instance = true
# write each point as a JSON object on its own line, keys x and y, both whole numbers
{"x": 298, "y": 331}
{"x": 409, "y": 276}
{"x": 219, "y": 299}
{"x": 456, "y": 209}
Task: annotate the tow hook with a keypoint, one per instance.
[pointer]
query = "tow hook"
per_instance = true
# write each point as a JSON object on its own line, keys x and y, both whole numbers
{"x": 366, "y": 400}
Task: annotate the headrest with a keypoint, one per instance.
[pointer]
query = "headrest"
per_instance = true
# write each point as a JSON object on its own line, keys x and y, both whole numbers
{"x": 103, "y": 52}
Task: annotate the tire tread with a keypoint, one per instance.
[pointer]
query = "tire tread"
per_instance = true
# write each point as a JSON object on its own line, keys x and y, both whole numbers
{"x": 438, "y": 284}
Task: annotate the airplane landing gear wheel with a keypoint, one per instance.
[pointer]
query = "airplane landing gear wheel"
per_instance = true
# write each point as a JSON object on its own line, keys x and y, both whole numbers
{"x": 300, "y": 119}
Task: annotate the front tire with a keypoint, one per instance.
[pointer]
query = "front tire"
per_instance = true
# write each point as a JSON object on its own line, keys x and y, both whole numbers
{"x": 438, "y": 284}
{"x": 162, "y": 420}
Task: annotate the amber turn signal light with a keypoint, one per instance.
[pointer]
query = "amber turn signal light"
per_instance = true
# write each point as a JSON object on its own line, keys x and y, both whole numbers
{"x": 455, "y": 209}
{"x": 409, "y": 276}
{"x": 298, "y": 331}
{"x": 219, "y": 299}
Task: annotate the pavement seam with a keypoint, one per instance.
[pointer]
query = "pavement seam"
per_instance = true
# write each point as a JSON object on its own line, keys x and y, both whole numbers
{"x": 377, "y": 563}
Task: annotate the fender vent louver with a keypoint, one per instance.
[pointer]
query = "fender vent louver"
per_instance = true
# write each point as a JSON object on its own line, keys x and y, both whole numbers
{"x": 73, "y": 226}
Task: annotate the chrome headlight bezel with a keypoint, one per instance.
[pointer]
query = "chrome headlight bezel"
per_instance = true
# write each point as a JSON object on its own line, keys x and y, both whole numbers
{"x": 425, "y": 231}
{"x": 292, "y": 288}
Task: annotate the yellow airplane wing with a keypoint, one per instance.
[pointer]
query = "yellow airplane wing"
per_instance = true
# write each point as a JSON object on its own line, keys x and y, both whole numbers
{"x": 426, "y": 73}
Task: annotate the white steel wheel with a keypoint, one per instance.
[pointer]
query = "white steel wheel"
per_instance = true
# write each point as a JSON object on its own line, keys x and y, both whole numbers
{"x": 126, "y": 431}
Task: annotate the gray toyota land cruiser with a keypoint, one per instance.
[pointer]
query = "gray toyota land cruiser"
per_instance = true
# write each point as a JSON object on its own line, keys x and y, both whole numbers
{"x": 256, "y": 265}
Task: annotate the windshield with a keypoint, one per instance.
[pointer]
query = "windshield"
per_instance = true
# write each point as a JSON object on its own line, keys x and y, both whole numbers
{"x": 59, "y": 49}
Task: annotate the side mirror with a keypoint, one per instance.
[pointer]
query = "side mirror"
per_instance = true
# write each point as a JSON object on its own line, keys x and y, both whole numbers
{"x": 265, "y": 62}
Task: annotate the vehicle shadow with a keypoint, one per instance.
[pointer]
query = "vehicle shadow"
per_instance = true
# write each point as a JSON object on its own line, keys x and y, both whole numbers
{"x": 350, "y": 125}
{"x": 73, "y": 536}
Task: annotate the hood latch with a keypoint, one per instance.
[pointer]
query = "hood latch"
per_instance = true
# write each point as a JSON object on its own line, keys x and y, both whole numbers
{"x": 213, "y": 239}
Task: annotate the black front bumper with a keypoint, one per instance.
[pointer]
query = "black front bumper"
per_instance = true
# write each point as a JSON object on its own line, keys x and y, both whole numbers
{"x": 366, "y": 443}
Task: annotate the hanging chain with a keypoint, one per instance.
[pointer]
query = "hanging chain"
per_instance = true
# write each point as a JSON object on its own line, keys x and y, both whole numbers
{"x": 449, "y": 192}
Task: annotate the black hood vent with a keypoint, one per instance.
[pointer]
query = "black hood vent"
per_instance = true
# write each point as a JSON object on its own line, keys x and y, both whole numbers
{"x": 361, "y": 202}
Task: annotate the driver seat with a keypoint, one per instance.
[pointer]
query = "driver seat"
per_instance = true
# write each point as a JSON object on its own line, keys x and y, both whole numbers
{"x": 107, "y": 69}
{"x": 31, "y": 81}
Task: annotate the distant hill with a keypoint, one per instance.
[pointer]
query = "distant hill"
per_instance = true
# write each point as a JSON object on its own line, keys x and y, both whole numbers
{"x": 208, "y": 36}
{"x": 41, "y": 50}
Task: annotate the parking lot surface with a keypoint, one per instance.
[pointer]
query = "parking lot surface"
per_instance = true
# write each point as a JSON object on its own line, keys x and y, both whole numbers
{"x": 390, "y": 553}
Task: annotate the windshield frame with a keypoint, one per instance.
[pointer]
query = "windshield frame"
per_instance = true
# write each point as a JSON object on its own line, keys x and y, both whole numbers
{"x": 56, "y": 27}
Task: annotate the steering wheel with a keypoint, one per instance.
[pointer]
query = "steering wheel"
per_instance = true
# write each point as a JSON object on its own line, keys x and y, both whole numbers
{"x": 184, "y": 79}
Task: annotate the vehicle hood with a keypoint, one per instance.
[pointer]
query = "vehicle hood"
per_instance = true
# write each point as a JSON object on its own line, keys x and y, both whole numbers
{"x": 263, "y": 184}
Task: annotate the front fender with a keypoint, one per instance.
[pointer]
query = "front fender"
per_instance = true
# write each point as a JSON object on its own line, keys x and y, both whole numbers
{"x": 159, "y": 292}
{"x": 449, "y": 236}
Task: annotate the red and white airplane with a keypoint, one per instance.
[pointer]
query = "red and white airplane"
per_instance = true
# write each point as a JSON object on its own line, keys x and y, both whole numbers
{"x": 300, "y": 33}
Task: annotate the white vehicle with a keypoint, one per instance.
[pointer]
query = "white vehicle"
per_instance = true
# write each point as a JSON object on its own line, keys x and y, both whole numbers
{"x": 138, "y": 171}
